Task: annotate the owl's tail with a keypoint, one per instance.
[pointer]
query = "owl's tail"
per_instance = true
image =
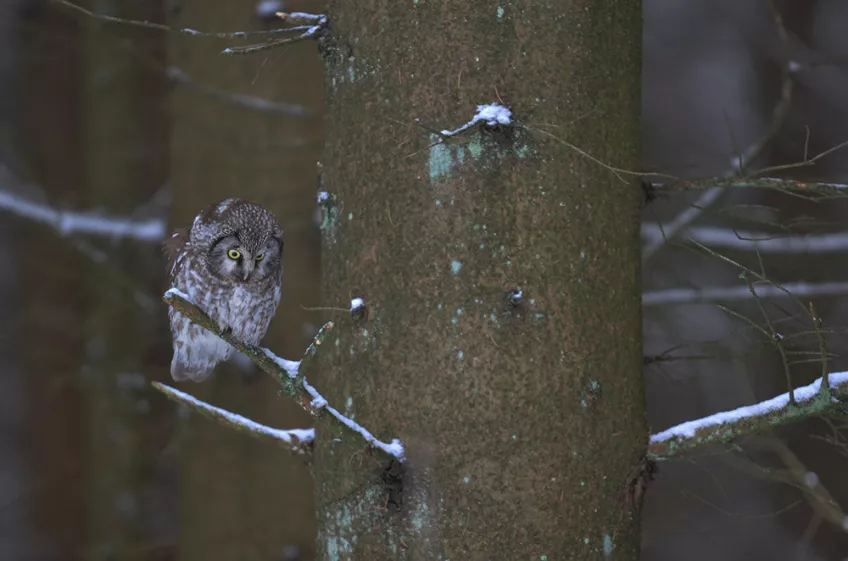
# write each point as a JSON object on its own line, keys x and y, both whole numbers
{"x": 182, "y": 371}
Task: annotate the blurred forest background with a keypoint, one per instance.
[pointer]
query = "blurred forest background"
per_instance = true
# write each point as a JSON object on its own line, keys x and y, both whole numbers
{"x": 142, "y": 129}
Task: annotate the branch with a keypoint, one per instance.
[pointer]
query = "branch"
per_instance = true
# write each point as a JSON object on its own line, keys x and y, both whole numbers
{"x": 245, "y": 101}
{"x": 288, "y": 379}
{"x": 807, "y": 188}
{"x": 286, "y": 372}
{"x": 298, "y": 441}
{"x": 739, "y": 162}
{"x": 725, "y": 427}
{"x": 316, "y": 24}
{"x": 760, "y": 242}
{"x": 735, "y": 293}
{"x": 168, "y": 29}
{"x": 69, "y": 222}
{"x": 682, "y": 221}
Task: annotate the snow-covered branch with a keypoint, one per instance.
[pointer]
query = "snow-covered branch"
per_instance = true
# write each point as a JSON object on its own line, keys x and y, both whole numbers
{"x": 70, "y": 222}
{"x": 729, "y": 425}
{"x": 298, "y": 441}
{"x": 286, "y": 372}
{"x": 733, "y": 293}
{"x": 724, "y": 238}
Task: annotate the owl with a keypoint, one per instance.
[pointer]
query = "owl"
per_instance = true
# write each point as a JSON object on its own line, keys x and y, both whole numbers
{"x": 230, "y": 265}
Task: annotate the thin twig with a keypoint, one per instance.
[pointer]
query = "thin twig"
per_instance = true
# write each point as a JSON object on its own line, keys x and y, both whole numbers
{"x": 817, "y": 189}
{"x": 735, "y": 293}
{"x": 245, "y": 101}
{"x": 307, "y": 33}
{"x": 761, "y": 242}
{"x": 741, "y": 161}
{"x": 168, "y": 29}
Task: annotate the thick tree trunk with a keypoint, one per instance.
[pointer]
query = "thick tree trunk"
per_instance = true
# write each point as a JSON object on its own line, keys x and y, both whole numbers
{"x": 522, "y": 420}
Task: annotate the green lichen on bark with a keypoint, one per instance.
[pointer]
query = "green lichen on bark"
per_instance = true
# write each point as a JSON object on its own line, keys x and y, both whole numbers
{"x": 484, "y": 391}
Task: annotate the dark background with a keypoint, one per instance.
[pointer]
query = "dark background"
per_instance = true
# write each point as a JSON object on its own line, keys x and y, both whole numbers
{"x": 149, "y": 127}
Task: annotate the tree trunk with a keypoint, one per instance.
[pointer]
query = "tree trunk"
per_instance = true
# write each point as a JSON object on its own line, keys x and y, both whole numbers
{"x": 53, "y": 299}
{"x": 123, "y": 152}
{"x": 523, "y": 418}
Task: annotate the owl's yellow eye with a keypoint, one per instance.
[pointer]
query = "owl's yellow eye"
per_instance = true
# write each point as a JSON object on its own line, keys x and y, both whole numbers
{"x": 234, "y": 254}
{"x": 260, "y": 257}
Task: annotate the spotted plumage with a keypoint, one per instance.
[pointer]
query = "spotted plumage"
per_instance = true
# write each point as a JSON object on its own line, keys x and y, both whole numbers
{"x": 229, "y": 263}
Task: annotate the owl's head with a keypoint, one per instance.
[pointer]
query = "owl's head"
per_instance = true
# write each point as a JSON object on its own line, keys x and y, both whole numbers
{"x": 245, "y": 241}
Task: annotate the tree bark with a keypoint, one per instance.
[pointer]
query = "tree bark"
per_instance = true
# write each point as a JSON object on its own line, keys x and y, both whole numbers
{"x": 523, "y": 419}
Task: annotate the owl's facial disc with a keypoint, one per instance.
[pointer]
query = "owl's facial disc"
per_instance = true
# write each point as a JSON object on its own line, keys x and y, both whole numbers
{"x": 232, "y": 259}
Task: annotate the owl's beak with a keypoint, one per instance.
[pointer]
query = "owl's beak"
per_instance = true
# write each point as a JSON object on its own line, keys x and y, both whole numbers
{"x": 248, "y": 268}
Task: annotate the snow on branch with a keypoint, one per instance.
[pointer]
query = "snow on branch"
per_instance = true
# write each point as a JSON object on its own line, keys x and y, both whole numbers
{"x": 492, "y": 114}
{"x": 761, "y": 242}
{"x": 286, "y": 372}
{"x": 735, "y": 293}
{"x": 70, "y": 222}
{"x": 298, "y": 441}
{"x": 393, "y": 448}
{"x": 315, "y": 24}
{"x": 727, "y": 426}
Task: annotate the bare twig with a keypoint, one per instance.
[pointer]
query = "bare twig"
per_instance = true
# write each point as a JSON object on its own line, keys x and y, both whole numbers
{"x": 316, "y": 23}
{"x": 811, "y": 189}
{"x": 806, "y": 162}
{"x": 774, "y": 337}
{"x": 741, "y": 161}
{"x": 168, "y": 29}
{"x": 298, "y": 441}
{"x": 736, "y": 293}
{"x": 245, "y": 101}
{"x": 306, "y": 33}
{"x": 761, "y": 242}
{"x": 725, "y": 427}
{"x": 682, "y": 221}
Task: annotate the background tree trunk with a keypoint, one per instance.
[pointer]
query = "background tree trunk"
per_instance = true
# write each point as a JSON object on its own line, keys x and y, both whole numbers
{"x": 522, "y": 423}
{"x": 53, "y": 302}
{"x": 241, "y": 498}
{"x": 124, "y": 148}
